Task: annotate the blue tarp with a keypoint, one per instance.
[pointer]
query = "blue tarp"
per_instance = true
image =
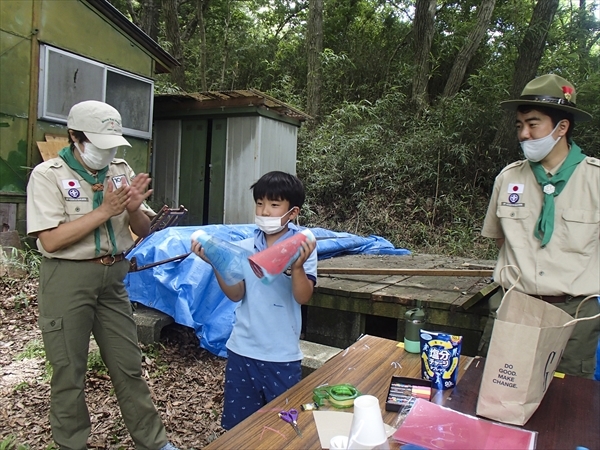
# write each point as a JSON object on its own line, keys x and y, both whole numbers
{"x": 188, "y": 291}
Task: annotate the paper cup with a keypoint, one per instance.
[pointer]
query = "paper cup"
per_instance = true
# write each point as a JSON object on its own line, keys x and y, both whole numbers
{"x": 367, "y": 430}
{"x": 339, "y": 442}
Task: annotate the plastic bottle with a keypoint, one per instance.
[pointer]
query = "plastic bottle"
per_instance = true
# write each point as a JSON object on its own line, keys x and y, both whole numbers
{"x": 228, "y": 259}
{"x": 415, "y": 320}
{"x": 274, "y": 260}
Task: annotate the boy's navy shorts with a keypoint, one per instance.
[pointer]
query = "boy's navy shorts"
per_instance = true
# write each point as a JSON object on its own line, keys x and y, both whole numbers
{"x": 251, "y": 384}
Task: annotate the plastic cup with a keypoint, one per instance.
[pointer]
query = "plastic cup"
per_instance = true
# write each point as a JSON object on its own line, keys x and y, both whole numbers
{"x": 367, "y": 430}
{"x": 339, "y": 442}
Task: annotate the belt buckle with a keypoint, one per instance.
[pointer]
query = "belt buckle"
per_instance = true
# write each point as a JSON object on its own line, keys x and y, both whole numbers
{"x": 109, "y": 263}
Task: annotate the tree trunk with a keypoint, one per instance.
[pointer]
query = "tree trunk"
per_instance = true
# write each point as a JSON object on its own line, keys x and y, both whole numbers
{"x": 469, "y": 49}
{"x": 149, "y": 15}
{"x": 314, "y": 40}
{"x": 423, "y": 37}
{"x": 202, "y": 6}
{"x": 225, "y": 54}
{"x": 173, "y": 34}
{"x": 530, "y": 53}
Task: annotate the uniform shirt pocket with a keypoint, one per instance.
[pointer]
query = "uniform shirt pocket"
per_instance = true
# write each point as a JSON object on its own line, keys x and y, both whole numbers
{"x": 515, "y": 225}
{"x": 582, "y": 230}
{"x": 74, "y": 210}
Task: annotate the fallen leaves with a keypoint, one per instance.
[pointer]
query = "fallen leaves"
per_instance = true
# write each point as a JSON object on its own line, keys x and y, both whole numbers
{"x": 186, "y": 383}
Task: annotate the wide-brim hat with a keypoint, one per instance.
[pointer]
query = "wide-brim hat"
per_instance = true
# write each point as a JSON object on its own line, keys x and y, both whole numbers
{"x": 550, "y": 91}
{"x": 100, "y": 122}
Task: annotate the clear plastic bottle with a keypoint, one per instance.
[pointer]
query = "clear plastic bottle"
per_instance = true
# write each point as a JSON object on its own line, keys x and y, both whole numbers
{"x": 226, "y": 258}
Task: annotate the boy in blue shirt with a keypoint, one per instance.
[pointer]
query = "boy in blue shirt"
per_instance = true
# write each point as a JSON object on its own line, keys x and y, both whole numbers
{"x": 263, "y": 350}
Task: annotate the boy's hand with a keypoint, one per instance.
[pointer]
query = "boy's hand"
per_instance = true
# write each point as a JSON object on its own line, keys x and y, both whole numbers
{"x": 199, "y": 251}
{"x": 305, "y": 251}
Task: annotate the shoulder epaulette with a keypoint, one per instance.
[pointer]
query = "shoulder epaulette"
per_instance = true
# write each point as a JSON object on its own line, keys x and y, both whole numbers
{"x": 593, "y": 161}
{"x": 118, "y": 161}
{"x": 513, "y": 165}
{"x": 52, "y": 163}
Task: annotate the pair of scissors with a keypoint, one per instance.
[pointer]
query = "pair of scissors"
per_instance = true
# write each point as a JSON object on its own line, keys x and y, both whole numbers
{"x": 291, "y": 417}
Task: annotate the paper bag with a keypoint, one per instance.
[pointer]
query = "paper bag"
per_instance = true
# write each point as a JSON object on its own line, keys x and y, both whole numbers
{"x": 528, "y": 341}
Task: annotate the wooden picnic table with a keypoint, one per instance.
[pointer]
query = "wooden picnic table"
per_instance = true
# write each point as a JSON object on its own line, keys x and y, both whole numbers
{"x": 344, "y": 306}
{"x": 367, "y": 364}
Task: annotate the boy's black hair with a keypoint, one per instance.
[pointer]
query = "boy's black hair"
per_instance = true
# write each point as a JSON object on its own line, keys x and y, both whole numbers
{"x": 556, "y": 115}
{"x": 278, "y": 185}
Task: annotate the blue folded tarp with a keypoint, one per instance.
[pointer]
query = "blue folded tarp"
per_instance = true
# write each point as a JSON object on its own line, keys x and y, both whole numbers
{"x": 188, "y": 291}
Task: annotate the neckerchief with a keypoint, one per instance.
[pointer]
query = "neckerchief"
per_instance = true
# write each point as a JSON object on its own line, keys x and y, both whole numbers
{"x": 97, "y": 183}
{"x": 551, "y": 187}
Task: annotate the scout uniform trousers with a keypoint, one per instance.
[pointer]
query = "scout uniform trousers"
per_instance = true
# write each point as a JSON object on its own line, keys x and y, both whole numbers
{"x": 77, "y": 298}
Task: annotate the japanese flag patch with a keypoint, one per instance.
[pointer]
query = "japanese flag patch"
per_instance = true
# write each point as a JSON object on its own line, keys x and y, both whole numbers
{"x": 70, "y": 184}
{"x": 515, "y": 188}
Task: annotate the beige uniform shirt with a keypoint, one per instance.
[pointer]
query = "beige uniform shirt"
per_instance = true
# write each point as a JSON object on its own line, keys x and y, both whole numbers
{"x": 57, "y": 194}
{"x": 569, "y": 264}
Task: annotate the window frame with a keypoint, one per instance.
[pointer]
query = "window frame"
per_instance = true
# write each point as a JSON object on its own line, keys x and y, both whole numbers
{"x": 43, "y": 112}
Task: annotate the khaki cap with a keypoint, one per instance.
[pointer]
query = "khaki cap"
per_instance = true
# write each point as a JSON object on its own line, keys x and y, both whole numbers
{"x": 100, "y": 122}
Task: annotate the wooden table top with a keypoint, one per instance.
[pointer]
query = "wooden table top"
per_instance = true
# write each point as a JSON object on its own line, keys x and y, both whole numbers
{"x": 368, "y": 364}
{"x": 568, "y": 416}
{"x": 442, "y": 291}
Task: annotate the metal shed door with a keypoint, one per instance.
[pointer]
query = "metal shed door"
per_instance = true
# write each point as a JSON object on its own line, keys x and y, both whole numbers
{"x": 194, "y": 134}
{"x": 202, "y": 169}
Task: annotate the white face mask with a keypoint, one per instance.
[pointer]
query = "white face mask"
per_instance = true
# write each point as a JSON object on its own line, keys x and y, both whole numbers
{"x": 537, "y": 149}
{"x": 94, "y": 157}
{"x": 271, "y": 225}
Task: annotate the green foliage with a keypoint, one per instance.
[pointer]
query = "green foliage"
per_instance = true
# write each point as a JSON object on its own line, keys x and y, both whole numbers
{"x": 418, "y": 181}
{"x": 21, "y": 386}
{"x": 33, "y": 349}
{"x": 9, "y": 443}
{"x": 151, "y": 360}
{"x": 95, "y": 363}
{"x": 27, "y": 261}
{"x": 372, "y": 166}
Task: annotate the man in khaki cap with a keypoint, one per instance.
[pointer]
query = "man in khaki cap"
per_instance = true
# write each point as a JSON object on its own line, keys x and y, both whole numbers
{"x": 80, "y": 206}
{"x": 545, "y": 216}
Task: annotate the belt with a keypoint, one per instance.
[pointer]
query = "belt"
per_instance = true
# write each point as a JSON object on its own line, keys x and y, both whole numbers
{"x": 554, "y": 298}
{"x": 106, "y": 260}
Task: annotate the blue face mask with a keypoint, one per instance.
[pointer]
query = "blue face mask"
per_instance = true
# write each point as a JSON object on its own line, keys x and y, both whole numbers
{"x": 537, "y": 149}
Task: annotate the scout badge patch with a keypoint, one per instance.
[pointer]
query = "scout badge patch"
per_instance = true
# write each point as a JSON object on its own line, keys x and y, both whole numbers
{"x": 120, "y": 181}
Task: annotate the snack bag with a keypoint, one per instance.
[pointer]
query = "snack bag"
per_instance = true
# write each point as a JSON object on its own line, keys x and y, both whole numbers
{"x": 439, "y": 358}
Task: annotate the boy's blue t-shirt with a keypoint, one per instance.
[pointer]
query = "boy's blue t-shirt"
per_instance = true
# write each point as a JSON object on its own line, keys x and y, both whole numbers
{"x": 268, "y": 320}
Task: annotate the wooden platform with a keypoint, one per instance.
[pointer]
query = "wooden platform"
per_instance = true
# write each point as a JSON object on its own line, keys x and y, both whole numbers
{"x": 345, "y": 306}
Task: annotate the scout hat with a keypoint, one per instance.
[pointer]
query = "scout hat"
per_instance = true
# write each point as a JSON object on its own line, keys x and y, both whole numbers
{"x": 100, "y": 122}
{"x": 550, "y": 91}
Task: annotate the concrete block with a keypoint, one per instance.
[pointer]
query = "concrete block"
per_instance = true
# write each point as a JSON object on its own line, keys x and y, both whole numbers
{"x": 149, "y": 323}
{"x": 315, "y": 355}
{"x": 335, "y": 328}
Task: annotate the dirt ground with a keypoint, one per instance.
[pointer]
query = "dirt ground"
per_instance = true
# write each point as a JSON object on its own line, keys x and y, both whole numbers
{"x": 186, "y": 382}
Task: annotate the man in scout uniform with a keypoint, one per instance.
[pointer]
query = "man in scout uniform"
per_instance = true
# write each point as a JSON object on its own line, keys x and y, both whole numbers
{"x": 80, "y": 206}
{"x": 545, "y": 216}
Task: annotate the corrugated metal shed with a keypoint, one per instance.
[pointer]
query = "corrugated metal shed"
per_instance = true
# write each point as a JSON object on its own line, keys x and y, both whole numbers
{"x": 210, "y": 147}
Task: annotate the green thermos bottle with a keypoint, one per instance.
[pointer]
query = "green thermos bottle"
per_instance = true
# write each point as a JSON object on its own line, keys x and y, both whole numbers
{"x": 415, "y": 320}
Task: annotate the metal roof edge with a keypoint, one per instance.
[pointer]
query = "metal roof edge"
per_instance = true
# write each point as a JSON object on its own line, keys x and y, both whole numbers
{"x": 232, "y": 100}
{"x": 237, "y": 111}
{"x": 167, "y": 62}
